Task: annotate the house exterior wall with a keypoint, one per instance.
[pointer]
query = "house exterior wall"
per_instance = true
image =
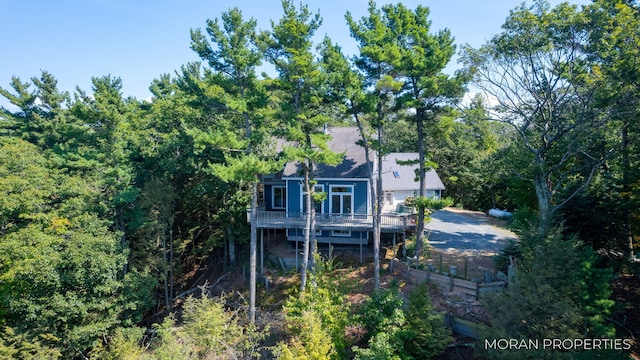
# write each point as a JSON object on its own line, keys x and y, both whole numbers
{"x": 269, "y": 196}
{"x": 398, "y": 197}
{"x": 330, "y": 236}
{"x": 360, "y": 205}
{"x": 295, "y": 199}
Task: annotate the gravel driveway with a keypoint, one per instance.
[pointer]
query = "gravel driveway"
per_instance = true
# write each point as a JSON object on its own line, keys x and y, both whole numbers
{"x": 474, "y": 235}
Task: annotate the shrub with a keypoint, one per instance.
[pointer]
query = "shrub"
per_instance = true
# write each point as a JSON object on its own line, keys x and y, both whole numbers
{"x": 318, "y": 317}
{"x": 417, "y": 333}
{"x": 426, "y": 335}
{"x": 557, "y": 293}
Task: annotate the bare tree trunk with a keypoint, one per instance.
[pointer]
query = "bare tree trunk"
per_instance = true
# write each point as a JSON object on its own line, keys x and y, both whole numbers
{"x": 231, "y": 246}
{"x": 171, "y": 260}
{"x": 543, "y": 195}
{"x": 165, "y": 270}
{"x": 377, "y": 217}
{"x": 626, "y": 188}
{"x": 373, "y": 187}
{"x": 253, "y": 257}
{"x": 307, "y": 227}
{"x": 423, "y": 185}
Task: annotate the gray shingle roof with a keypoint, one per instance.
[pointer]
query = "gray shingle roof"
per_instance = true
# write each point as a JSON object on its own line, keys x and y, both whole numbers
{"x": 343, "y": 140}
{"x": 403, "y": 177}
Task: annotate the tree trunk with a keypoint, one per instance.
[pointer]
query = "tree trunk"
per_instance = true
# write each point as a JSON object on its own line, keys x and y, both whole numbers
{"x": 543, "y": 196}
{"x": 165, "y": 270}
{"x": 374, "y": 191}
{"x": 253, "y": 257}
{"x": 307, "y": 228}
{"x": 232, "y": 245}
{"x": 377, "y": 217}
{"x": 423, "y": 185}
{"x": 626, "y": 189}
{"x": 171, "y": 260}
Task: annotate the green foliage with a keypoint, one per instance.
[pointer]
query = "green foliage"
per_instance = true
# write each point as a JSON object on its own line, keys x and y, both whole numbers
{"x": 25, "y": 346}
{"x": 393, "y": 333}
{"x": 208, "y": 330}
{"x": 312, "y": 341}
{"x": 431, "y": 203}
{"x": 543, "y": 50}
{"x": 503, "y": 259}
{"x": 213, "y": 331}
{"x": 321, "y": 312}
{"x": 558, "y": 293}
{"x": 60, "y": 274}
{"x": 427, "y": 337}
{"x": 124, "y": 344}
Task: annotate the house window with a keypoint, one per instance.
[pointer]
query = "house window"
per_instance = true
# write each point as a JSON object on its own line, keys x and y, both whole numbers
{"x": 319, "y": 205}
{"x": 388, "y": 198}
{"x": 341, "y": 199}
{"x": 279, "y": 196}
{"x": 341, "y": 233}
{"x": 318, "y": 232}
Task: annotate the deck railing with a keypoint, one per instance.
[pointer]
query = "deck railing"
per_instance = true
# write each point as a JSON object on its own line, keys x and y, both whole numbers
{"x": 390, "y": 222}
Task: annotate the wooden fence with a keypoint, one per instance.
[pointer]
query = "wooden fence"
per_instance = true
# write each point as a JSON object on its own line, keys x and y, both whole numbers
{"x": 468, "y": 328}
{"x": 449, "y": 282}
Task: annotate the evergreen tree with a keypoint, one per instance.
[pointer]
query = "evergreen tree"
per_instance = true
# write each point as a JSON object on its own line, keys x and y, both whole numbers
{"x": 398, "y": 54}
{"x": 234, "y": 56}
{"x": 558, "y": 292}
{"x": 535, "y": 70}
{"x": 302, "y": 102}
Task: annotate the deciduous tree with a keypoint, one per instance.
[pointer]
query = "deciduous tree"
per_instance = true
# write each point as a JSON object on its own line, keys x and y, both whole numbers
{"x": 533, "y": 69}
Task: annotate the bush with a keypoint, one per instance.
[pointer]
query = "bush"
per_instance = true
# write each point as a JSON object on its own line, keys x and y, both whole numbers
{"x": 557, "y": 293}
{"x": 417, "y": 333}
{"x": 318, "y": 317}
{"x": 502, "y": 261}
{"x": 427, "y": 336}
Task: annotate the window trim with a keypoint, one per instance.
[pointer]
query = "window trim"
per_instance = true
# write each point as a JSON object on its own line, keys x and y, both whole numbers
{"x": 284, "y": 197}
{"x": 351, "y": 193}
{"x": 341, "y": 233}
{"x": 303, "y": 194}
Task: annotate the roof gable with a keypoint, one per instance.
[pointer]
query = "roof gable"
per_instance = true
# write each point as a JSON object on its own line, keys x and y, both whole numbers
{"x": 394, "y": 176}
{"x": 343, "y": 139}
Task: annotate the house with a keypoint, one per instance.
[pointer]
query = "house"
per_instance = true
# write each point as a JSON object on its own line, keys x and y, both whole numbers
{"x": 344, "y": 216}
{"x": 401, "y": 181}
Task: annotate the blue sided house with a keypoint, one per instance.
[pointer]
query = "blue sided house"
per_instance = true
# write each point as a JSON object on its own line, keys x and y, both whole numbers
{"x": 344, "y": 216}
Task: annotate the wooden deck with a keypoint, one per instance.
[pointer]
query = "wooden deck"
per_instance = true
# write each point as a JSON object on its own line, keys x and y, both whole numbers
{"x": 324, "y": 221}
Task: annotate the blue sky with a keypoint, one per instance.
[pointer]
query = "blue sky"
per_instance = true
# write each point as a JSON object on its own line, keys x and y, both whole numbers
{"x": 138, "y": 40}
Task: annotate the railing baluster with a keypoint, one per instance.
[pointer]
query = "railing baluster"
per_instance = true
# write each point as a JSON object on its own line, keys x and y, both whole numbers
{"x": 280, "y": 219}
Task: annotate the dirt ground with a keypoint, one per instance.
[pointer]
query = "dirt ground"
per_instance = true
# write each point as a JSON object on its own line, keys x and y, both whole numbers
{"x": 356, "y": 265}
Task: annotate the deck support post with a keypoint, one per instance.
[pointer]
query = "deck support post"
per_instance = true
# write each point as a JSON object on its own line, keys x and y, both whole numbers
{"x": 394, "y": 251}
{"x": 404, "y": 247}
{"x": 297, "y": 268}
{"x": 361, "y": 261}
{"x": 262, "y": 251}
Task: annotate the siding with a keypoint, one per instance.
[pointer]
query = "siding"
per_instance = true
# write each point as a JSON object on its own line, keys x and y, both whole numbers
{"x": 360, "y": 194}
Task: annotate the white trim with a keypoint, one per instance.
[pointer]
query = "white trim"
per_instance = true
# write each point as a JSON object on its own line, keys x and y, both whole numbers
{"x": 318, "y": 232}
{"x": 303, "y": 194}
{"x": 273, "y": 197}
{"x": 327, "y": 179}
{"x": 341, "y": 233}
{"x": 351, "y": 193}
